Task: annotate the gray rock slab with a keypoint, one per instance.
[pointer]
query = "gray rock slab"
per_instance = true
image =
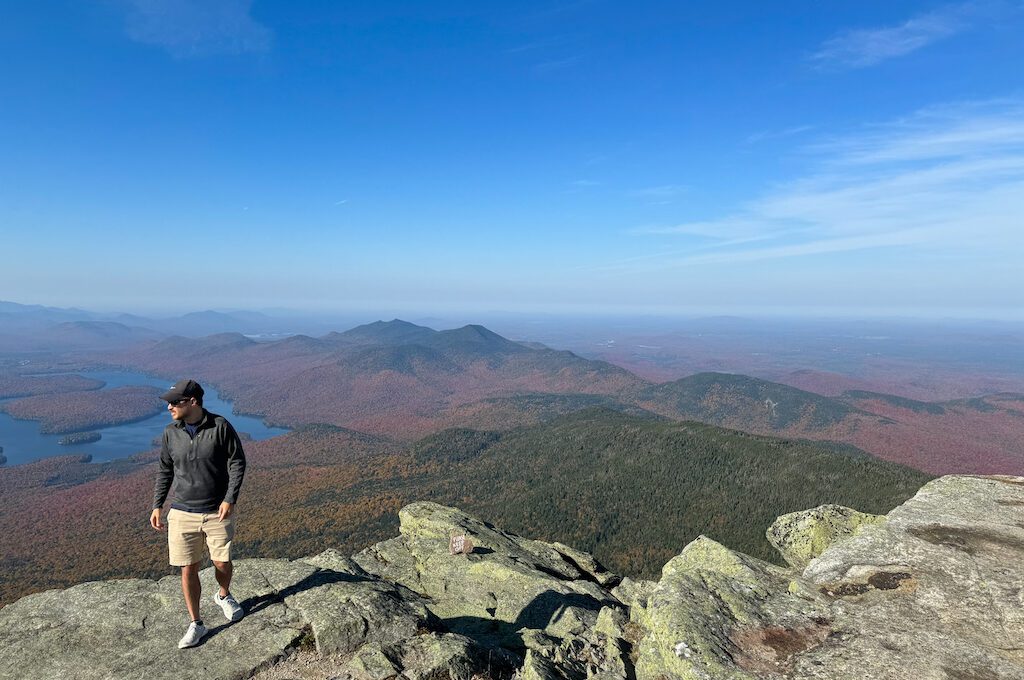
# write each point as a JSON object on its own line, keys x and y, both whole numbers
{"x": 130, "y": 628}
{"x": 938, "y": 588}
{"x": 634, "y": 592}
{"x": 717, "y": 613}
{"x": 428, "y": 656}
{"x": 445, "y": 656}
{"x": 391, "y": 560}
{"x": 507, "y": 583}
{"x": 933, "y": 592}
{"x": 349, "y": 608}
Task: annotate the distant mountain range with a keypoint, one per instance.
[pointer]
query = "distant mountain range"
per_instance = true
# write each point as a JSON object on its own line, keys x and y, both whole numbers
{"x": 37, "y": 327}
{"x": 392, "y": 378}
{"x": 547, "y": 442}
{"x": 399, "y": 379}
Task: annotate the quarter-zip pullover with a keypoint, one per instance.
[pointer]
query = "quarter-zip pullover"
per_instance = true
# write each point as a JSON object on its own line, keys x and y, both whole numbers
{"x": 207, "y": 469}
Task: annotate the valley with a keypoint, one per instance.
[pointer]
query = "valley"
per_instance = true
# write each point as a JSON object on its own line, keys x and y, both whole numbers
{"x": 548, "y": 442}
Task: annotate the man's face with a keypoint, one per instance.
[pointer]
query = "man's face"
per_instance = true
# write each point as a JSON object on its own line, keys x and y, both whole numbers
{"x": 183, "y": 409}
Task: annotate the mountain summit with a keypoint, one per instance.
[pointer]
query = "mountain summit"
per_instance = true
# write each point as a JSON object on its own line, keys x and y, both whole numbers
{"x": 928, "y": 591}
{"x": 394, "y": 332}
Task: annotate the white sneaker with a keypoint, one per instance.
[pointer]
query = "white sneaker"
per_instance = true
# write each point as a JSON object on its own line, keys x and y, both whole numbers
{"x": 193, "y": 635}
{"x": 232, "y": 610}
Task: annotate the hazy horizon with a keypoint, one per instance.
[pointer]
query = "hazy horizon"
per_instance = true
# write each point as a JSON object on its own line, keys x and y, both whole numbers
{"x": 574, "y": 313}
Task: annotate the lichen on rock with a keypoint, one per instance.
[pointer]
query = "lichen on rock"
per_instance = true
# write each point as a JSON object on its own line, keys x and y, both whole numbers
{"x": 934, "y": 591}
{"x": 801, "y": 536}
{"x": 709, "y": 602}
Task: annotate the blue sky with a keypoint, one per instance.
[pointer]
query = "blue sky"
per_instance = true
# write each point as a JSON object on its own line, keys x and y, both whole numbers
{"x": 841, "y": 157}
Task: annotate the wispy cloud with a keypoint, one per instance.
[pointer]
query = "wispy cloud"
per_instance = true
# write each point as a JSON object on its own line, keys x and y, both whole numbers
{"x": 906, "y": 237}
{"x": 558, "y": 64}
{"x": 778, "y": 134}
{"x": 963, "y": 129}
{"x": 943, "y": 180}
{"x": 729, "y": 230}
{"x": 663, "y": 191}
{"x": 584, "y": 183}
{"x": 546, "y": 44}
{"x": 665, "y": 194}
{"x": 866, "y": 47}
{"x": 659, "y": 258}
{"x": 196, "y": 28}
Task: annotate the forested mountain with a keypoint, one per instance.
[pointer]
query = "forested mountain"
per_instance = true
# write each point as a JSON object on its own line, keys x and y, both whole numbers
{"x": 744, "y": 402}
{"x": 392, "y": 378}
{"x": 632, "y": 489}
{"x": 399, "y": 379}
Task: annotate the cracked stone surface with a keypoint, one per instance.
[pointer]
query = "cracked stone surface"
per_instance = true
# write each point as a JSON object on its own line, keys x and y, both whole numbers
{"x": 505, "y": 584}
{"x": 938, "y": 587}
{"x": 129, "y": 629}
{"x": 801, "y": 536}
{"x": 935, "y": 591}
{"x": 428, "y": 656}
{"x": 715, "y": 612}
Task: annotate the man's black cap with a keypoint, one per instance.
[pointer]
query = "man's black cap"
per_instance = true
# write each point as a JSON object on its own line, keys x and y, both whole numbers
{"x": 183, "y": 389}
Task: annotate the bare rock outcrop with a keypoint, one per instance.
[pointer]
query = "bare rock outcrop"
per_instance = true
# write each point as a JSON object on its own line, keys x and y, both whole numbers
{"x": 801, "y": 536}
{"x": 934, "y": 590}
{"x": 937, "y": 588}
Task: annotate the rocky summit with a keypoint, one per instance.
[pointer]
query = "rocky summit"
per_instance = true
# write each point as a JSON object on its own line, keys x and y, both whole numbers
{"x": 933, "y": 590}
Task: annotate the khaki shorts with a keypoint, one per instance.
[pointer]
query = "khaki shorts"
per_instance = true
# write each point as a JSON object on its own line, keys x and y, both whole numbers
{"x": 185, "y": 533}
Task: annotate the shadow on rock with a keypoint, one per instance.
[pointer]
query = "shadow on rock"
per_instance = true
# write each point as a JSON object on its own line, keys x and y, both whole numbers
{"x": 319, "y": 578}
{"x": 545, "y": 610}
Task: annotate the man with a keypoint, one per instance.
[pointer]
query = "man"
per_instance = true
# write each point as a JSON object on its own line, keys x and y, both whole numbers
{"x": 203, "y": 452}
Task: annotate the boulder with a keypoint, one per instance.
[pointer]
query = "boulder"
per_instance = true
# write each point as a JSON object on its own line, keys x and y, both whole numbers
{"x": 130, "y": 628}
{"x": 634, "y": 592}
{"x": 346, "y": 607}
{"x": 446, "y": 656}
{"x": 507, "y": 583}
{"x": 372, "y": 662}
{"x": 716, "y": 613}
{"x": 936, "y": 591}
{"x": 425, "y": 656}
{"x": 801, "y": 536}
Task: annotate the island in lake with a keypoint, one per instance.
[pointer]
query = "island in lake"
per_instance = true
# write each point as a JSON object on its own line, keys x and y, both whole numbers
{"x": 79, "y": 438}
{"x": 3, "y": 458}
{"x": 14, "y": 385}
{"x": 71, "y": 412}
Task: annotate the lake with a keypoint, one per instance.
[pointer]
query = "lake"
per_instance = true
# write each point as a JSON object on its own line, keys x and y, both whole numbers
{"x": 23, "y": 443}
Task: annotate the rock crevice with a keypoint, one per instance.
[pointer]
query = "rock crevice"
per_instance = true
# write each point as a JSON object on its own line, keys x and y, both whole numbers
{"x": 934, "y": 589}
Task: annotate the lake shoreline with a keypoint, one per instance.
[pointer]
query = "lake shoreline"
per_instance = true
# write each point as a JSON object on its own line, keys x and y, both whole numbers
{"x": 23, "y": 441}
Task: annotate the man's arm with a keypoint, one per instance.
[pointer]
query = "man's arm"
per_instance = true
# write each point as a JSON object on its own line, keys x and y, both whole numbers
{"x": 236, "y": 463}
{"x": 164, "y": 477}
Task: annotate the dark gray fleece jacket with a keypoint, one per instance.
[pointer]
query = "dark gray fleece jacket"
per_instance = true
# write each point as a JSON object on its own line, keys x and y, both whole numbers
{"x": 207, "y": 469}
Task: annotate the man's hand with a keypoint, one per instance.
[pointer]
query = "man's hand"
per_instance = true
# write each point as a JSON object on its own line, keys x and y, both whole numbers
{"x": 225, "y": 510}
{"x": 154, "y": 519}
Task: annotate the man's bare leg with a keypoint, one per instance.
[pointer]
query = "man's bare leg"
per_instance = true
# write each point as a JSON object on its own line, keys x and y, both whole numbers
{"x": 223, "y": 571}
{"x": 191, "y": 588}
